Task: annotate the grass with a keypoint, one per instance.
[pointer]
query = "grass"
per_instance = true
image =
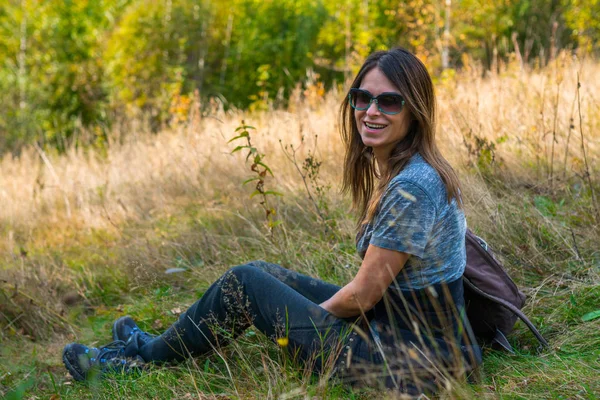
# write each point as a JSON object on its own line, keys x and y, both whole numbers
{"x": 89, "y": 235}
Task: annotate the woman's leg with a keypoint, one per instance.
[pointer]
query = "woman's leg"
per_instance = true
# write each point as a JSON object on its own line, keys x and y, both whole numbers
{"x": 313, "y": 289}
{"x": 247, "y": 295}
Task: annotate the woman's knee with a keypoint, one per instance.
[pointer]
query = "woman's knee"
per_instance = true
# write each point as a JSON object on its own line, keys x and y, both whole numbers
{"x": 260, "y": 264}
{"x": 258, "y": 270}
{"x": 263, "y": 266}
{"x": 244, "y": 272}
{"x": 275, "y": 270}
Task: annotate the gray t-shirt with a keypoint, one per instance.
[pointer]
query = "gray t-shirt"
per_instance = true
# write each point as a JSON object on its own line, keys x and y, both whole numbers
{"x": 414, "y": 217}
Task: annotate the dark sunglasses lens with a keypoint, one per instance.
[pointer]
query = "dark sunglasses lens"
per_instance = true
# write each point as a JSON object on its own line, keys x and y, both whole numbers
{"x": 360, "y": 100}
{"x": 390, "y": 103}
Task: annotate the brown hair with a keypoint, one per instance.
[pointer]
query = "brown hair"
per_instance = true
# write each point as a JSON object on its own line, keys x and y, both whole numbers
{"x": 411, "y": 78}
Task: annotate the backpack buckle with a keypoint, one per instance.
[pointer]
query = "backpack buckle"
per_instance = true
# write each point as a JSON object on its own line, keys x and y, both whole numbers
{"x": 483, "y": 243}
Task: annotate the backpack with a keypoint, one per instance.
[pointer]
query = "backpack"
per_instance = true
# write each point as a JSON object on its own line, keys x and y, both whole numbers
{"x": 492, "y": 300}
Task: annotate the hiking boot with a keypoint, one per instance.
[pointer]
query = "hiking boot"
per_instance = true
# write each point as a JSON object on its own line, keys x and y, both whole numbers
{"x": 125, "y": 327}
{"x": 81, "y": 360}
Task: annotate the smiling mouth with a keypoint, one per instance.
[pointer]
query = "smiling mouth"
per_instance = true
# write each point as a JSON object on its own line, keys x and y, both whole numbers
{"x": 374, "y": 126}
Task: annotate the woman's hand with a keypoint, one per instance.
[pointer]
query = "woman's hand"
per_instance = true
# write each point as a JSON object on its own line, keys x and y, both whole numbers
{"x": 377, "y": 271}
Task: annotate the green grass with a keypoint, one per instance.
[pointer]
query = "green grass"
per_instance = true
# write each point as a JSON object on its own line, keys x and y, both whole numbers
{"x": 76, "y": 283}
{"x": 149, "y": 203}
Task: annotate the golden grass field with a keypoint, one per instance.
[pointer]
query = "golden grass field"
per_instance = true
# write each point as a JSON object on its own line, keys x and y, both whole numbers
{"x": 528, "y": 109}
{"x": 87, "y": 235}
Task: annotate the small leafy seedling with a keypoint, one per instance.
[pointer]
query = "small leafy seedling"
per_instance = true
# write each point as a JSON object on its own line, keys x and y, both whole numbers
{"x": 260, "y": 170}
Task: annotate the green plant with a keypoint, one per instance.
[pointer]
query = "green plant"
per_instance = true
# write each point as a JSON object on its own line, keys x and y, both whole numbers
{"x": 483, "y": 150}
{"x": 260, "y": 170}
{"x": 315, "y": 190}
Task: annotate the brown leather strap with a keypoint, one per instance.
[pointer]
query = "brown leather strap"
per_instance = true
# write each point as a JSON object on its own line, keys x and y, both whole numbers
{"x": 512, "y": 308}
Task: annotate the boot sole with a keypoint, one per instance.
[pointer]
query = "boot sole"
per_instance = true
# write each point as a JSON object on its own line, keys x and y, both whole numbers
{"x": 74, "y": 373}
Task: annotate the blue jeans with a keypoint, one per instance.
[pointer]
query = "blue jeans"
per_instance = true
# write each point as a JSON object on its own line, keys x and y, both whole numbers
{"x": 284, "y": 305}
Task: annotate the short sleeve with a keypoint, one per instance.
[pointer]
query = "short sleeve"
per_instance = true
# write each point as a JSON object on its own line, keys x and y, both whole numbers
{"x": 405, "y": 219}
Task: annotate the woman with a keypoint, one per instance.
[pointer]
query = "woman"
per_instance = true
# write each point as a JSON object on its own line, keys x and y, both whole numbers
{"x": 398, "y": 322}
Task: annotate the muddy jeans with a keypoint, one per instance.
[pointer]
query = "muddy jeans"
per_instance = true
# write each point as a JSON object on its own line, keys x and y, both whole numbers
{"x": 284, "y": 305}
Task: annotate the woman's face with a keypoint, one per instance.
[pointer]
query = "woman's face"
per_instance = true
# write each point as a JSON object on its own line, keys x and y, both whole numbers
{"x": 378, "y": 130}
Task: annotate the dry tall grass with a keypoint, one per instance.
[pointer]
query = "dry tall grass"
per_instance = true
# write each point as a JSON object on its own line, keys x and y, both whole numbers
{"x": 505, "y": 133}
{"x": 525, "y": 111}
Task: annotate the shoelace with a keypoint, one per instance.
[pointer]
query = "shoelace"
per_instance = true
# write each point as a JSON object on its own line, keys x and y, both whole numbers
{"x": 145, "y": 336}
{"x": 110, "y": 352}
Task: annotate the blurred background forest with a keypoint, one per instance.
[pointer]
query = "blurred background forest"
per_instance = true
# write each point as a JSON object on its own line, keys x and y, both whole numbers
{"x": 71, "y": 69}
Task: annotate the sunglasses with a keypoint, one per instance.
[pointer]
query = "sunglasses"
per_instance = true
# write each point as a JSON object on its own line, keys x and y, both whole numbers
{"x": 387, "y": 103}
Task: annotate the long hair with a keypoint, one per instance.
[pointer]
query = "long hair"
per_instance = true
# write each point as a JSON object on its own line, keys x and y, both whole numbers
{"x": 361, "y": 177}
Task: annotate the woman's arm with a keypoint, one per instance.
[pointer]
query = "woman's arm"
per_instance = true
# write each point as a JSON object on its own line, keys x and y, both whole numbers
{"x": 377, "y": 271}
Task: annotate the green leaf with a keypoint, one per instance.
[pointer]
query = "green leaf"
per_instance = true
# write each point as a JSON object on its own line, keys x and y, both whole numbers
{"x": 255, "y": 193}
{"x": 256, "y": 178}
{"x": 273, "y": 224}
{"x": 573, "y": 301}
{"x": 591, "y": 316}
{"x": 244, "y": 127}
{"x": 545, "y": 205}
{"x": 242, "y": 135}
{"x": 274, "y": 193}
{"x": 265, "y": 167}
{"x": 238, "y": 148}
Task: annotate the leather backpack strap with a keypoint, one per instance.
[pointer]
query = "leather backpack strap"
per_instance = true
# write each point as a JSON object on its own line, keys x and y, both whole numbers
{"x": 502, "y": 341}
{"x": 514, "y": 310}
